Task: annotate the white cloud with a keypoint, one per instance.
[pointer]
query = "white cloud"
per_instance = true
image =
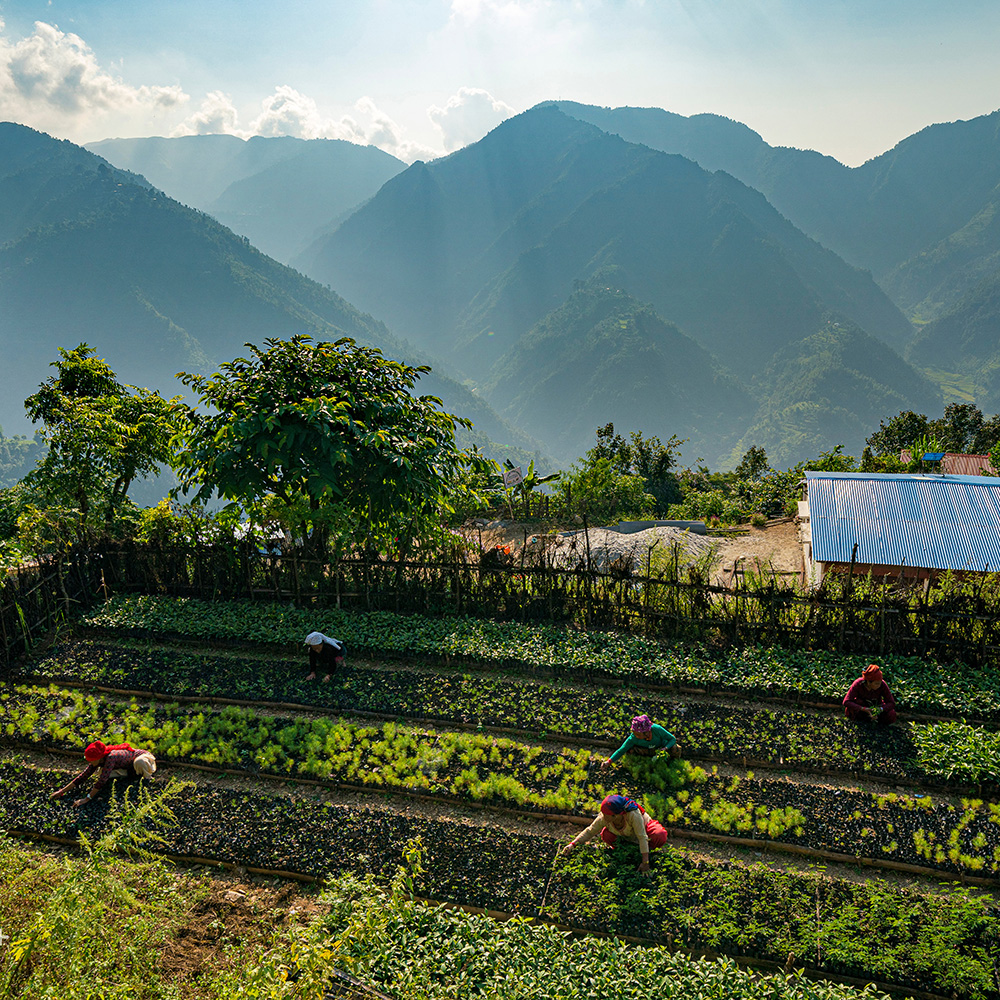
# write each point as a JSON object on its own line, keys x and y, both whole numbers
{"x": 217, "y": 114}
{"x": 52, "y": 80}
{"x": 54, "y": 77}
{"x": 289, "y": 112}
{"x": 467, "y": 116}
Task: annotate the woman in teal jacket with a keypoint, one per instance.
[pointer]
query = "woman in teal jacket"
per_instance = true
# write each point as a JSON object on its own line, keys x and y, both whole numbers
{"x": 645, "y": 739}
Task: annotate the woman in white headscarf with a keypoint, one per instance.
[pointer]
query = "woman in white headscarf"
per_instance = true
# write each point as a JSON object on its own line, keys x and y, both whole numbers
{"x": 326, "y": 651}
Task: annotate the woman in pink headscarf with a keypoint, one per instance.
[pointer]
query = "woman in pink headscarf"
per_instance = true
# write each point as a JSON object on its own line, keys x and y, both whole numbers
{"x": 645, "y": 739}
{"x": 623, "y": 817}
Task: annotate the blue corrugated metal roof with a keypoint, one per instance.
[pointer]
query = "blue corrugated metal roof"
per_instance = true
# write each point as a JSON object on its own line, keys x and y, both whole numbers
{"x": 932, "y": 522}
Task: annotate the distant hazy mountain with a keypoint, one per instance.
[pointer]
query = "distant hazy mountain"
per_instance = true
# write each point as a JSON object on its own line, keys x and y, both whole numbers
{"x": 153, "y": 286}
{"x": 464, "y": 255}
{"x": 600, "y": 357}
{"x": 835, "y": 386}
{"x": 922, "y": 216}
{"x": 966, "y": 341}
{"x": 280, "y": 192}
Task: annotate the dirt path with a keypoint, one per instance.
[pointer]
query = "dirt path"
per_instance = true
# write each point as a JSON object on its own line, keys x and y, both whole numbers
{"x": 775, "y": 548}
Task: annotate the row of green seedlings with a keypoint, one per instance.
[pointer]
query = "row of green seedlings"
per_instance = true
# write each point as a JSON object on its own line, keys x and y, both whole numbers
{"x": 563, "y": 650}
{"x": 946, "y": 942}
{"x": 404, "y": 948}
{"x": 468, "y": 765}
{"x": 953, "y": 751}
{"x": 505, "y": 772}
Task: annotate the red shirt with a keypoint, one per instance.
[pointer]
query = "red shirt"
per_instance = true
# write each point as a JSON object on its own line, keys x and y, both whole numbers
{"x": 113, "y": 760}
{"x": 858, "y": 696}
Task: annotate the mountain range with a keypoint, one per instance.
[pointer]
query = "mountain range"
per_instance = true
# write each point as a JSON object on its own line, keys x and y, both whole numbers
{"x": 921, "y": 217}
{"x": 94, "y": 254}
{"x": 575, "y": 266}
{"x": 280, "y": 192}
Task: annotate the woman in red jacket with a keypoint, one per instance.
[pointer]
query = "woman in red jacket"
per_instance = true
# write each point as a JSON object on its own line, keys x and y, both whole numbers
{"x": 868, "y": 691}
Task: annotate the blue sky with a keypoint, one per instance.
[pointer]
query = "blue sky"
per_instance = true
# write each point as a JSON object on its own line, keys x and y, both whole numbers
{"x": 846, "y": 77}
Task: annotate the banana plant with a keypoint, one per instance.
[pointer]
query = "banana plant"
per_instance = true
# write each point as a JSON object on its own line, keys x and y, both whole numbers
{"x": 530, "y": 480}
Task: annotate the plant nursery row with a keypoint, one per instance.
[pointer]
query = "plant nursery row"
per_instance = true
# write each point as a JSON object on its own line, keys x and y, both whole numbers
{"x": 560, "y": 650}
{"x": 947, "y": 942}
{"x": 912, "y": 752}
{"x": 961, "y": 836}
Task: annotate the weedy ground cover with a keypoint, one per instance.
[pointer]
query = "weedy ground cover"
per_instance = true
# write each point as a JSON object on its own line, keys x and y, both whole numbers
{"x": 374, "y": 932}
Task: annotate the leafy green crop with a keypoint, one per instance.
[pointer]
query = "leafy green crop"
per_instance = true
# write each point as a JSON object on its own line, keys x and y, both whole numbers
{"x": 560, "y": 650}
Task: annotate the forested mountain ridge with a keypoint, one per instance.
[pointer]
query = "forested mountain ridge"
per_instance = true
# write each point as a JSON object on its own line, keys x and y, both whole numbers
{"x": 967, "y": 341}
{"x": 834, "y": 386}
{"x": 45, "y": 181}
{"x": 470, "y": 251}
{"x": 921, "y": 216}
{"x": 278, "y": 191}
{"x": 604, "y": 357}
{"x": 153, "y": 286}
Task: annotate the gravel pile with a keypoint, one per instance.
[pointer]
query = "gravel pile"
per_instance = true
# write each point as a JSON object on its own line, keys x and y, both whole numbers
{"x": 613, "y": 548}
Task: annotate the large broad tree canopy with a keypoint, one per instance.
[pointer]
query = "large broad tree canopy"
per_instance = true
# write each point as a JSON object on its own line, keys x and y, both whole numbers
{"x": 333, "y": 429}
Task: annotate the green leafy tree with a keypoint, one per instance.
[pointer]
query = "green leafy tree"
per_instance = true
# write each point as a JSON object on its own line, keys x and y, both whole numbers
{"x": 648, "y": 458}
{"x": 598, "y": 490}
{"x": 833, "y": 460}
{"x": 880, "y": 463}
{"x": 753, "y": 464}
{"x": 101, "y": 437}
{"x": 899, "y": 433}
{"x": 965, "y": 429}
{"x": 331, "y": 429}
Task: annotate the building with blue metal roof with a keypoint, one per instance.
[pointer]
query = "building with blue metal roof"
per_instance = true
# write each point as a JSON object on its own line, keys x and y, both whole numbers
{"x": 913, "y": 526}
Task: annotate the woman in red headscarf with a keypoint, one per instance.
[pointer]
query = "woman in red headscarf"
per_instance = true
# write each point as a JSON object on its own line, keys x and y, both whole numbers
{"x": 120, "y": 760}
{"x": 869, "y": 690}
{"x": 623, "y": 817}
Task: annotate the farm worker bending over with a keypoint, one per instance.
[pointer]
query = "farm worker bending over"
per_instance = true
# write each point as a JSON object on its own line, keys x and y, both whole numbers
{"x": 645, "y": 739}
{"x": 623, "y": 817}
{"x": 868, "y": 690}
{"x": 326, "y": 651}
{"x": 118, "y": 761}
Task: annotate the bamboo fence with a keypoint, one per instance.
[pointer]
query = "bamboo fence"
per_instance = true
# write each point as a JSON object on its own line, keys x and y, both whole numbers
{"x": 674, "y": 602}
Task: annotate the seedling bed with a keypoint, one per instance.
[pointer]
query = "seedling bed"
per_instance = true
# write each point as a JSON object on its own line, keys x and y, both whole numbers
{"x": 563, "y": 651}
{"x": 538, "y": 710}
{"x": 960, "y": 837}
{"x": 946, "y": 943}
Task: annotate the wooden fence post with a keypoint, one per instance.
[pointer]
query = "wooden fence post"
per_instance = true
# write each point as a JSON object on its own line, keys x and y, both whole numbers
{"x": 847, "y": 599}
